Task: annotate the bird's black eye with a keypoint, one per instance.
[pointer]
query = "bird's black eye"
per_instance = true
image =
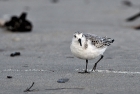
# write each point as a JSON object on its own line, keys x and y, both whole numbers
{"x": 75, "y": 36}
{"x": 82, "y": 35}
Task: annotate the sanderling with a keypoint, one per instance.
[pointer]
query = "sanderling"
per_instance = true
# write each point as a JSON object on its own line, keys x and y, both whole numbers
{"x": 89, "y": 46}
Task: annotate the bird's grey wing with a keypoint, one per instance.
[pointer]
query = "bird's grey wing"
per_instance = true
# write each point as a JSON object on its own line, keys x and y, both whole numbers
{"x": 97, "y": 41}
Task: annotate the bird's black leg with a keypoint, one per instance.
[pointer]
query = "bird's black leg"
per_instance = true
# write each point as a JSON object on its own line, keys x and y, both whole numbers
{"x": 94, "y": 67}
{"x": 86, "y": 68}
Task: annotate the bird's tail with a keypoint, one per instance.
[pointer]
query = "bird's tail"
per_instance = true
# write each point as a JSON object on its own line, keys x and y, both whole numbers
{"x": 108, "y": 41}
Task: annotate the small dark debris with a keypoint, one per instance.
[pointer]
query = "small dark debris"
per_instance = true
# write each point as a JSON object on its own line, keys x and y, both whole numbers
{"x": 29, "y": 89}
{"x": 127, "y": 3}
{"x": 15, "y": 54}
{"x": 133, "y": 17}
{"x": 9, "y": 77}
{"x": 62, "y": 80}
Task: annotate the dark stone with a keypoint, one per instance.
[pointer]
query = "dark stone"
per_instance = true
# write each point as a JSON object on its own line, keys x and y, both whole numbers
{"x": 9, "y": 77}
{"x": 62, "y": 80}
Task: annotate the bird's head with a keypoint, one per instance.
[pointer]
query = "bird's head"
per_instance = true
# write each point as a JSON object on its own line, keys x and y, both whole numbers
{"x": 78, "y": 36}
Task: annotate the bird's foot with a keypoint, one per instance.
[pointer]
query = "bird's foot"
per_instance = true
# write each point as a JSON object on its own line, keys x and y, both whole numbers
{"x": 94, "y": 68}
{"x": 84, "y": 72}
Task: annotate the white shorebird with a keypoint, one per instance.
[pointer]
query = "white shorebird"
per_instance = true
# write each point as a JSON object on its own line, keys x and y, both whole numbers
{"x": 87, "y": 47}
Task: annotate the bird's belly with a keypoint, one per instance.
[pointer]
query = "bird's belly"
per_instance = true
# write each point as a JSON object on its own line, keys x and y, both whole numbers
{"x": 88, "y": 55}
{"x": 84, "y": 53}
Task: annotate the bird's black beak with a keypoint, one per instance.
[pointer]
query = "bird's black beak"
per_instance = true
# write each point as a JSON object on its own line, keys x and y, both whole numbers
{"x": 80, "y": 42}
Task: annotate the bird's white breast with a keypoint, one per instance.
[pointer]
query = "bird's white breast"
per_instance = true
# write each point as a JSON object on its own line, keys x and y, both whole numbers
{"x": 81, "y": 52}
